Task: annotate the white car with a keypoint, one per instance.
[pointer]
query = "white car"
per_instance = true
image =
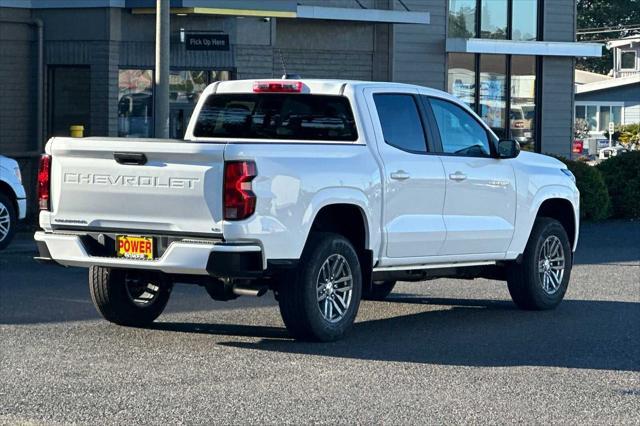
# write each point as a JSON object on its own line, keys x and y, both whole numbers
{"x": 13, "y": 202}
{"x": 323, "y": 191}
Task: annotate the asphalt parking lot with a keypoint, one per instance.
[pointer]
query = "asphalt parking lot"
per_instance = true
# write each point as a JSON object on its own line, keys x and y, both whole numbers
{"x": 441, "y": 351}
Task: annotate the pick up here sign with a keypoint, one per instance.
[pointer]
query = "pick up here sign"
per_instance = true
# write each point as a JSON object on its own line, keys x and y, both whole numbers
{"x": 207, "y": 41}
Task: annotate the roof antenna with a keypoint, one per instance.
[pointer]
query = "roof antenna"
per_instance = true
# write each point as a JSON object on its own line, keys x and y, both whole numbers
{"x": 285, "y": 75}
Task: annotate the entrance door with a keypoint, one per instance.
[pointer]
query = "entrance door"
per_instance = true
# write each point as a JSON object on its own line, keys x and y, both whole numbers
{"x": 69, "y": 99}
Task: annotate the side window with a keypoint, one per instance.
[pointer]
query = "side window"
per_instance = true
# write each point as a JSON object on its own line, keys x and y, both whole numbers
{"x": 401, "y": 123}
{"x": 460, "y": 133}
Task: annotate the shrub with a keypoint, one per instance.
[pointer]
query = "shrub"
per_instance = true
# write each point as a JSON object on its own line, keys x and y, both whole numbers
{"x": 595, "y": 203}
{"x": 622, "y": 176}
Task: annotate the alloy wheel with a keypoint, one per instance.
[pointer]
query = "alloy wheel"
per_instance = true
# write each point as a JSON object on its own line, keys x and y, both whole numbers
{"x": 334, "y": 288}
{"x": 5, "y": 221}
{"x": 551, "y": 264}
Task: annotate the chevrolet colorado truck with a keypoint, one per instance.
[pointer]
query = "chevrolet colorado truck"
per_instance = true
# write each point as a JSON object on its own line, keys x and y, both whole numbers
{"x": 322, "y": 191}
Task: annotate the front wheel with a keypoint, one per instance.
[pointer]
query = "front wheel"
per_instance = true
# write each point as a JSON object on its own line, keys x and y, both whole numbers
{"x": 541, "y": 280}
{"x": 128, "y": 297}
{"x": 320, "y": 300}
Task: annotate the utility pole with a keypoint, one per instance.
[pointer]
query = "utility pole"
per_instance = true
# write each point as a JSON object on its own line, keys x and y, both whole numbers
{"x": 161, "y": 82}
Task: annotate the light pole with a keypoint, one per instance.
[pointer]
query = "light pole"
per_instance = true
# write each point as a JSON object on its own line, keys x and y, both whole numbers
{"x": 161, "y": 81}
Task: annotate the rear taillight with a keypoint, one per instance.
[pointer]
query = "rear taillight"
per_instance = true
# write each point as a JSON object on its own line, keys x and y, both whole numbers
{"x": 277, "y": 86}
{"x": 44, "y": 182}
{"x": 239, "y": 199}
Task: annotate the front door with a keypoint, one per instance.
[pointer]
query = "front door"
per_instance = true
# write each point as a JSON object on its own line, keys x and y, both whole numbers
{"x": 413, "y": 178}
{"x": 69, "y": 99}
{"x": 480, "y": 203}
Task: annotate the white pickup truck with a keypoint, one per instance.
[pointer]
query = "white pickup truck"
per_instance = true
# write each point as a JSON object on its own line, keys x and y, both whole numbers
{"x": 323, "y": 191}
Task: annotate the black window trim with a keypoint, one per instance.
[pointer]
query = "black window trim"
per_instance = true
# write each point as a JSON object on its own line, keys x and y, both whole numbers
{"x": 430, "y": 147}
{"x": 491, "y": 139}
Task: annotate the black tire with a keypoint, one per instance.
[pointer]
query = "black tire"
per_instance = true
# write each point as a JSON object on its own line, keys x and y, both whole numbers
{"x": 526, "y": 285}
{"x": 298, "y": 292}
{"x": 112, "y": 292}
{"x": 7, "y": 211}
{"x": 379, "y": 290}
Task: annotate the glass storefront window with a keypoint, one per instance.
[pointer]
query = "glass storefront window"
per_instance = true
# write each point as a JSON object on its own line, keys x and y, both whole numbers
{"x": 135, "y": 99}
{"x": 185, "y": 88}
{"x": 493, "y": 92}
{"x": 135, "y": 103}
{"x": 580, "y": 111}
{"x": 616, "y": 114}
{"x": 493, "y": 19}
{"x": 524, "y": 20}
{"x": 522, "y": 116}
{"x": 462, "y": 18}
{"x": 605, "y": 118}
{"x": 461, "y": 77}
{"x": 592, "y": 117}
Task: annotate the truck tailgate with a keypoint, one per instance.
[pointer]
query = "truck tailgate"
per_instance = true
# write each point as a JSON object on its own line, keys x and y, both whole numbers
{"x": 178, "y": 188}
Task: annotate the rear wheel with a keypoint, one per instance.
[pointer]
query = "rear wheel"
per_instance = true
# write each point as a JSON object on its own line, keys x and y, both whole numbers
{"x": 128, "y": 297}
{"x": 379, "y": 290}
{"x": 319, "y": 301}
{"x": 541, "y": 280}
{"x": 8, "y": 220}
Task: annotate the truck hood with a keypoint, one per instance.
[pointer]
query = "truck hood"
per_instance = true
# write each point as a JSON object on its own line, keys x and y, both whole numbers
{"x": 539, "y": 160}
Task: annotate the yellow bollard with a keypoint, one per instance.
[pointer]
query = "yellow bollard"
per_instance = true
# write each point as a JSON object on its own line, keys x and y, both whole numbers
{"x": 76, "y": 131}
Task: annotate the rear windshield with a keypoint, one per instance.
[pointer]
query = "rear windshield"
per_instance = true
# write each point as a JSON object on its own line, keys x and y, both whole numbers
{"x": 277, "y": 116}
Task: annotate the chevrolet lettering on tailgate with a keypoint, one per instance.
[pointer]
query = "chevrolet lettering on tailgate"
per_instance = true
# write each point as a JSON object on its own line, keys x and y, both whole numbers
{"x": 132, "y": 181}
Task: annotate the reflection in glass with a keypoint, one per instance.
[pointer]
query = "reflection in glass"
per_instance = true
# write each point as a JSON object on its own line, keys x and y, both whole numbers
{"x": 628, "y": 60}
{"x": 580, "y": 111}
{"x": 493, "y": 19}
{"x": 185, "y": 88}
{"x": 135, "y": 103}
{"x": 493, "y": 92}
{"x": 523, "y": 101}
{"x": 461, "y": 77}
{"x": 605, "y": 118}
{"x": 616, "y": 114}
{"x": 592, "y": 119}
{"x": 525, "y": 20}
{"x": 462, "y": 18}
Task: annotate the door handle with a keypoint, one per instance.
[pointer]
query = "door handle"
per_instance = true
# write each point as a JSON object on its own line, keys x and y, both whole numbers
{"x": 130, "y": 158}
{"x": 457, "y": 176}
{"x": 400, "y": 175}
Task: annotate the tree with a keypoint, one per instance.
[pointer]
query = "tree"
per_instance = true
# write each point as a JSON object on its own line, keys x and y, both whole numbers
{"x": 615, "y": 14}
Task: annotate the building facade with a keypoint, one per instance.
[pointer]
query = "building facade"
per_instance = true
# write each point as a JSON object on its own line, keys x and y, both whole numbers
{"x": 613, "y": 98}
{"x": 90, "y": 62}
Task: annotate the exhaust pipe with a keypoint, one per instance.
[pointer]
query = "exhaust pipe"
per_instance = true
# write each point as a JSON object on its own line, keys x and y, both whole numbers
{"x": 249, "y": 289}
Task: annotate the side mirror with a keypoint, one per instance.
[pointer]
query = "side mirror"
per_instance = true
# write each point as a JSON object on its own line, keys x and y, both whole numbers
{"x": 508, "y": 148}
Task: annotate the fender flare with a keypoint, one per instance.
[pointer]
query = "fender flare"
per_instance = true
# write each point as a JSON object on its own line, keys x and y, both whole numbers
{"x": 340, "y": 195}
{"x": 549, "y": 192}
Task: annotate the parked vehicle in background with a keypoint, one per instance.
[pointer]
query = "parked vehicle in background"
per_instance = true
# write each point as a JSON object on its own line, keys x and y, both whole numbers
{"x": 323, "y": 191}
{"x": 520, "y": 125}
{"x": 13, "y": 202}
{"x": 612, "y": 151}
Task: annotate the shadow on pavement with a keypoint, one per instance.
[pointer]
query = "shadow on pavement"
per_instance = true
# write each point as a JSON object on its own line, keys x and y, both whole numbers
{"x": 579, "y": 334}
{"x": 615, "y": 241}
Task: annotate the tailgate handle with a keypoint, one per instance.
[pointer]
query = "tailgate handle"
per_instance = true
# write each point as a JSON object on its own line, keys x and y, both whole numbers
{"x": 130, "y": 158}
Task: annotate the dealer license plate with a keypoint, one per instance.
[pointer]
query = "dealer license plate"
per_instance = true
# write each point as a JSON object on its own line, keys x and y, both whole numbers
{"x": 134, "y": 247}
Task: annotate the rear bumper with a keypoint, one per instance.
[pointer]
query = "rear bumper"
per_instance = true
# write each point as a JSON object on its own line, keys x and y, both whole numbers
{"x": 186, "y": 257}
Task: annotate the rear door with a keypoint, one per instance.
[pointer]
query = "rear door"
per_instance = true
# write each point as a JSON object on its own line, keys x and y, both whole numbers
{"x": 480, "y": 203}
{"x": 413, "y": 179}
{"x": 128, "y": 185}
